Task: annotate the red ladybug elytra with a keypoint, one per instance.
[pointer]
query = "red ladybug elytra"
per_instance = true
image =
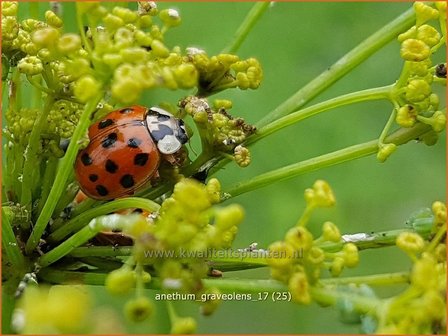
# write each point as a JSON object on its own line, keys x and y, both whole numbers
{"x": 125, "y": 150}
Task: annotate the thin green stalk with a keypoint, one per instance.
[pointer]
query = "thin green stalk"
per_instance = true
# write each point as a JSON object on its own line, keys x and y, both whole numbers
{"x": 18, "y": 159}
{"x": 370, "y": 280}
{"x": 387, "y": 127}
{"x": 246, "y": 26}
{"x": 343, "y": 66}
{"x": 10, "y": 244}
{"x": 83, "y": 219}
{"x": 108, "y": 264}
{"x": 67, "y": 197}
{"x": 85, "y": 205}
{"x": 47, "y": 182}
{"x": 347, "y": 154}
{"x": 31, "y": 153}
{"x": 364, "y": 241}
{"x": 64, "y": 171}
{"x": 79, "y": 238}
{"x": 351, "y": 98}
{"x": 101, "y": 251}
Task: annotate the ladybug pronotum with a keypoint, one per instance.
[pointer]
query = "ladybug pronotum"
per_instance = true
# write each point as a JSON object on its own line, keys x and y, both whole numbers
{"x": 125, "y": 150}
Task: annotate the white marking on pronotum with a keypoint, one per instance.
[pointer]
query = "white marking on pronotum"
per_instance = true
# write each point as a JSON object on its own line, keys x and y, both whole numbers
{"x": 357, "y": 237}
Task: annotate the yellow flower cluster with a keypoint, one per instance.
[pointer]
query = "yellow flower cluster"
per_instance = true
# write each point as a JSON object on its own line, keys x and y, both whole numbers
{"x": 298, "y": 260}
{"x": 417, "y": 102}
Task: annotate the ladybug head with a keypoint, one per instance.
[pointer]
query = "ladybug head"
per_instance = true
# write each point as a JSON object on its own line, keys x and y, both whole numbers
{"x": 168, "y": 132}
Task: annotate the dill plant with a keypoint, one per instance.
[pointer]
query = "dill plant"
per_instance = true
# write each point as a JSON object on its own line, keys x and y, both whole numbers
{"x": 119, "y": 54}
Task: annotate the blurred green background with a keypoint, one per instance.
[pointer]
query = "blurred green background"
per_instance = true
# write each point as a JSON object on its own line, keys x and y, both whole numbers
{"x": 294, "y": 43}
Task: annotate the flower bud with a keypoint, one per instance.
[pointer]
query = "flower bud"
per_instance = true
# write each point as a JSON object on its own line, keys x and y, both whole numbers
{"x": 184, "y": 325}
{"x": 127, "y": 15}
{"x": 428, "y": 34}
{"x": 9, "y": 8}
{"x": 424, "y": 13}
{"x": 69, "y": 43}
{"x": 159, "y": 49}
{"x": 213, "y": 188}
{"x": 409, "y": 34}
{"x": 112, "y": 22}
{"x": 299, "y": 238}
{"x": 424, "y": 273}
{"x": 30, "y": 65}
{"x": 186, "y": 75}
{"x": 53, "y": 20}
{"x": 281, "y": 254}
{"x": 45, "y": 37}
{"x": 331, "y": 232}
{"x": 414, "y": 50}
{"x": 10, "y": 28}
{"x": 299, "y": 288}
{"x": 242, "y": 156}
{"x": 406, "y": 116}
{"x": 351, "y": 255}
{"x": 229, "y": 216}
{"x": 139, "y": 309}
{"x": 170, "y": 17}
{"x": 315, "y": 256}
{"x": 337, "y": 266}
{"x": 86, "y": 88}
{"x": 324, "y": 196}
{"x": 439, "y": 121}
{"x": 126, "y": 90}
{"x": 120, "y": 281}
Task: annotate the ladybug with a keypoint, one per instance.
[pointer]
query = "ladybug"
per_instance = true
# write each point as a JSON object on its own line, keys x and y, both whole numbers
{"x": 125, "y": 150}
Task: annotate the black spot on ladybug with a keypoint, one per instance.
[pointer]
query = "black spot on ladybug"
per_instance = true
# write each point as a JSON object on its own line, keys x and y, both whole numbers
{"x": 105, "y": 123}
{"x": 111, "y": 166}
{"x": 134, "y": 142}
{"x": 138, "y": 210}
{"x": 141, "y": 159}
{"x": 126, "y": 110}
{"x": 102, "y": 191}
{"x": 162, "y": 117}
{"x": 160, "y": 133}
{"x": 86, "y": 159}
{"x": 127, "y": 181}
{"x": 109, "y": 140}
{"x": 93, "y": 177}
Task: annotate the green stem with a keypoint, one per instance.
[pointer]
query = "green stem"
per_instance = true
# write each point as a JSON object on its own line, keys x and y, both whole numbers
{"x": 101, "y": 251}
{"x": 63, "y": 173}
{"x": 85, "y": 205}
{"x": 84, "y": 218}
{"x": 347, "y": 154}
{"x": 47, "y": 182}
{"x": 343, "y": 66}
{"x": 89, "y": 231}
{"x": 70, "y": 193}
{"x": 32, "y": 158}
{"x": 246, "y": 26}
{"x": 387, "y": 128}
{"x": 371, "y": 280}
{"x": 10, "y": 244}
{"x": 351, "y": 98}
